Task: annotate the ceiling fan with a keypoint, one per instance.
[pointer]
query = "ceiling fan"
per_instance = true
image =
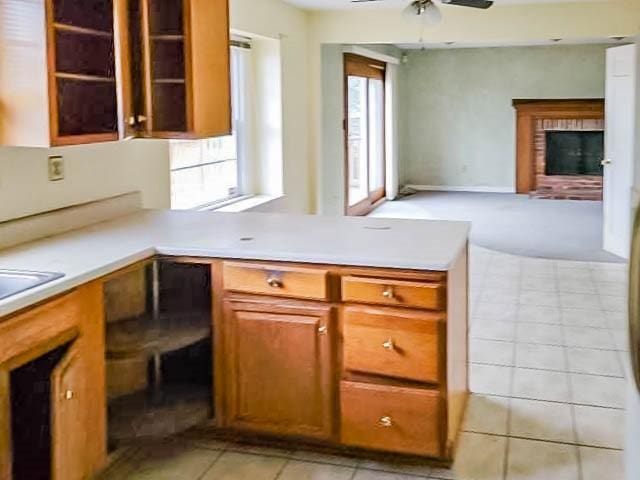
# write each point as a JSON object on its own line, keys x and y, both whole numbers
{"x": 428, "y": 12}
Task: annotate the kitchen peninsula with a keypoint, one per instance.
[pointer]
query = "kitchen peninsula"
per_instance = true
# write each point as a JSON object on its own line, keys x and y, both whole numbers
{"x": 344, "y": 333}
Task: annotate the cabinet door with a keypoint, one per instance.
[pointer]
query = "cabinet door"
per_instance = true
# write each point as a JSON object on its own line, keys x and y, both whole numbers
{"x": 68, "y": 428}
{"x": 180, "y": 63}
{"x": 280, "y": 367}
{"x": 83, "y": 103}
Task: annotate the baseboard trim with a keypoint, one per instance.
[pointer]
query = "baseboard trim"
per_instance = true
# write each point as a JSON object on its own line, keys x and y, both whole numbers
{"x": 449, "y": 188}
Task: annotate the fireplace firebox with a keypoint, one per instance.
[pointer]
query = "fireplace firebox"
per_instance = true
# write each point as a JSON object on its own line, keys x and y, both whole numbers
{"x": 574, "y": 153}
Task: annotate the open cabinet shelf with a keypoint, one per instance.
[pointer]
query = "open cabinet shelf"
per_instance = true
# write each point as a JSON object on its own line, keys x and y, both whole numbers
{"x": 159, "y": 350}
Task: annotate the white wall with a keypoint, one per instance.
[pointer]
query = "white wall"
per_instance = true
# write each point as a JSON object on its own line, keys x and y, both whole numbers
{"x": 457, "y": 122}
{"x": 91, "y": 173}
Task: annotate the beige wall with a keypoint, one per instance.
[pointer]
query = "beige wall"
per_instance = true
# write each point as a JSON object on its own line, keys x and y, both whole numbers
{"x": 457, "y": 122}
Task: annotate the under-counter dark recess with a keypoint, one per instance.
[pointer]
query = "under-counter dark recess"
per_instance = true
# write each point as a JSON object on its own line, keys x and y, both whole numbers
{"x": 31, "y": 413}
{"x": 159, "y": 351}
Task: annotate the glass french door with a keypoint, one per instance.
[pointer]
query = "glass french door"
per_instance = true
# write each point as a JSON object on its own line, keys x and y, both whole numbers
{"x": 364, "y": 132}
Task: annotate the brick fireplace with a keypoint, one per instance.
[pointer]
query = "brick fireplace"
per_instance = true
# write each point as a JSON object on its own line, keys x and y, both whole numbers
{"x": 537, "y": 122}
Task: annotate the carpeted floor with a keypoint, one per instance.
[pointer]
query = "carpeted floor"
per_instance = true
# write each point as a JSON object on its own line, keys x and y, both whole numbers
{"x": 516, "y": 224}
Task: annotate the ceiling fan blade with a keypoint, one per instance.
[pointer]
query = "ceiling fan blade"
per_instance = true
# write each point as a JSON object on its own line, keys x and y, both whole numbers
{"x": 484, "y": 4}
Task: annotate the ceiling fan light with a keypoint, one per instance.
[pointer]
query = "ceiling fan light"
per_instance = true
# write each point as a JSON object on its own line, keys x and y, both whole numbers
{"x": 424, "y": 12}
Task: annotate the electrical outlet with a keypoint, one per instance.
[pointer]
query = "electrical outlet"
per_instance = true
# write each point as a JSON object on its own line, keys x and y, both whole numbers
{"x": 56, "y": 168}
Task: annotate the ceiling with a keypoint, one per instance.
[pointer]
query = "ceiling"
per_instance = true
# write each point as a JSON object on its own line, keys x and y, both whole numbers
{"x": 342, "y": 4}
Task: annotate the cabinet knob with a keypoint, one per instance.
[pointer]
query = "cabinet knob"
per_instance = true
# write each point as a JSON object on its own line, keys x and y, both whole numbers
{"x": 141, "y": 119}
{"x": 389, "y": 345}
{"x": 388, "y": 293}
{"x": 385, "y": 422}
{"x": 322, "y": 330}
{"x": 274, "y": 282}
{"x": 606, "y": 161}
{"x": 68, "y": 395}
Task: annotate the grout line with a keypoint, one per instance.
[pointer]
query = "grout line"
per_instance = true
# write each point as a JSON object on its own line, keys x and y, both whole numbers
{"x": 545, "y": 440}
{"x": 484, "y": 394}
{"x": 550, "y": 369}
{"x": 215, "y": 460}
{"x": 505, "y": 466}
{"x": 284, "y": 465}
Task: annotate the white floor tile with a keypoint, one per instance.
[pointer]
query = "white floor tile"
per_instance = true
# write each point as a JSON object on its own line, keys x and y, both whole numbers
{"x": 546, "y": 357}
{"x": 490, "y": 379}
{"x": 491, "y": 352}
{"x": 533, "y": 460}
{"x": 541, "y": 420}
{"x": 596, "y": 362}
{"x": 539, "y": 333}
{"x": 541, "y": 385}
{"x": 598, "y": 391}
{"x": 579, "y": 300}
{"x": 539, "y": 314}
{"x": 601, "y": 464}
{"x": 600, "y": 427}
{"x": 588, "y": 337}
{"x": 297, "y": 470}
{"x": 487, "y": 414}
{"x": 579, "y": 317}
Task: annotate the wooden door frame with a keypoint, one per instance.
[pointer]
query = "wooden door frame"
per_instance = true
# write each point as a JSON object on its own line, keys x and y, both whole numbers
{"x": 356, "y": 65}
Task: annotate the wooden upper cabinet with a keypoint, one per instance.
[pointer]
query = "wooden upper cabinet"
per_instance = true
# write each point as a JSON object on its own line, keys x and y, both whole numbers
{"x": 279, "y": 367}
{"x": 86, "y": 71}
{"x": 180, "y": 72}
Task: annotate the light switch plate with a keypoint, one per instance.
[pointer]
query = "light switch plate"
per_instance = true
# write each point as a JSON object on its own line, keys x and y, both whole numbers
{"x": 56, "y": 168}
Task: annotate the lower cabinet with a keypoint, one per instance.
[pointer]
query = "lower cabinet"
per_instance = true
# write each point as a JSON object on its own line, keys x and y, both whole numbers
{"x": 279, "y": 366}
{"x": 52, "y": 399}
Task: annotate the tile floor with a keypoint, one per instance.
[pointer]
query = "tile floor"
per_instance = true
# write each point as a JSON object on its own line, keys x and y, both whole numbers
{"x": 548, "y": 360}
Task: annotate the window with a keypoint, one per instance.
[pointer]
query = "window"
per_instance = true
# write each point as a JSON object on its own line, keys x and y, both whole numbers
{"x": 365, "y": 142}
{"x": 209, "y": 171}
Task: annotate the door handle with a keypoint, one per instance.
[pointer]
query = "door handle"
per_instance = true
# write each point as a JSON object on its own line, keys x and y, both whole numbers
{"x": 605, "y": 162}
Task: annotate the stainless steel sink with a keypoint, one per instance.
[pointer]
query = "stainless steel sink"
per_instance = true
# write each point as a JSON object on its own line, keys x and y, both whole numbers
{"x": 16, "y": 281}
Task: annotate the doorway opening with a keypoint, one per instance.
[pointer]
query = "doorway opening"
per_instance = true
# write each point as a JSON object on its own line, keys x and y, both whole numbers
{"x": 364, "y": 133}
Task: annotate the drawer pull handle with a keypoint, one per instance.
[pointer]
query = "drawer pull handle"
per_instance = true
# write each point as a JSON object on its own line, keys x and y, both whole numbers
{"x": 389, "y": 345}
{"x": 274, "y": 282}
{"x": 322, "y": 330}
{"x": 385, "y": 422}
{"x": 389, "y": 293}
{"x": 68, "y": 395}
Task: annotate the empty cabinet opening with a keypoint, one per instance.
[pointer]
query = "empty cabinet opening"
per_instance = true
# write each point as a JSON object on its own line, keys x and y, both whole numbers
{"x": 83, "y": 47}
{"x": 159, "y": 351}
{"x": 31, "y": 411}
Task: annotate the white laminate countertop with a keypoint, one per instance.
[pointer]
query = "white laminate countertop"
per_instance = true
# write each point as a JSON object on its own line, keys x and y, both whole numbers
{"x": 96, "y": 250}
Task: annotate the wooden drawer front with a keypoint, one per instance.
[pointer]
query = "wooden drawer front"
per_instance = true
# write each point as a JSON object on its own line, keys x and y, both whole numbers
{"x": 52, "y": 323}
{"x": 280, "y": 280}
{"x": 395, "y": 419}
{"x": 394, "y": 292}
{"x": 392, "y": 342}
